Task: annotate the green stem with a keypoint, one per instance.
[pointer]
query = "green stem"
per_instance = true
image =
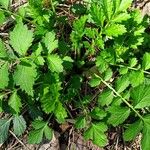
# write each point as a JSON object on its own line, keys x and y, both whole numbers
{"x": 131, "y": 68}
{"x": 16, "y": 15}
{"x": 123, "y": 99}
{"x": 53, "y": 8}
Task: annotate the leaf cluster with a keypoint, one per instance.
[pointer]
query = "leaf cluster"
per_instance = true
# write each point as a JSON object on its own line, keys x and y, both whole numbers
{"x": 99, "y": 67}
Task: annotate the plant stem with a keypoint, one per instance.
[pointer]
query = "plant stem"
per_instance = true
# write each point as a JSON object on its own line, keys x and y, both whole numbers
{"x": 53, "y": 8}
{"x": 131, "y": 68}
{"x": 123, "y": 99}
{"x": 16, "y": 15}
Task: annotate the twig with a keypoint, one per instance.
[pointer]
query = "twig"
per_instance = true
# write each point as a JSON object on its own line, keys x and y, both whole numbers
{"x": 4, "y": 34}
{"x": 18, "y": 140}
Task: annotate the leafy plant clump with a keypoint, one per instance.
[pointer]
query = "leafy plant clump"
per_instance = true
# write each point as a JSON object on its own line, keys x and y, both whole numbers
{"x": 91, "y": 66}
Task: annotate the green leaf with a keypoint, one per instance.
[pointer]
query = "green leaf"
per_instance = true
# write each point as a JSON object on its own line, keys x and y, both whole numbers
{"x": 139, "y": 31}
{"x": 1, "y": 102}
{"x": 117, "y": 101}
{"x": 141, "y": 96}
{"x": 122, "y": 83}
{"x": 5, "y": 3}
{"x": 48, "y": 132}
{"x": 21, "y": 38}
{"x": 133, "y": 62}
{"x": 146, "y": 61}
{"x": 80, "y": 123}
{"x": 101, "y": 64}
{"x": 108, "y": 74}
{"x": 96, "y": 133}
{"x": 50, "y": 42}
{"x": 79, "y": 25}
{"x": 35, "y": 136}
{"x": 136, "y": 78}
{"x": 68, "y": 62}
{"x": 38, "y": 59}
{"x": 3, "y": 52}
{"x": 40, "y": 128}
{"x": 137, "y": 16}
{"x": 95, "y": 81}
{"x": 133, "y": 130}
{"x": 55, "y": 63}
{"x": 15, "y": 102}
{"x": 19, "y": 125}
{"x": 37, "y": 124}
{"x": 135, "y": 41}
{"x": 2, "y": 18}
{"x": 115, "y": 30}
{"x": 48, "y": 100}
{"x": 4, "y": 75}
{"x": 118, "y": 115}
{"x": 123, "y": 70}
{"x": 24, "y": 76}
{"x": 121, "y": 17}
{"x": 98, "y": 113}
{"x": 97, "y": 14}
{"x": 107, "y": 6}
{"x": 4, "y": 127}
{"x": 60, "y": 112}
{"x": 105, "y": 98}
{"x": 146, "y": 134}
{"x": 125, "y": 4}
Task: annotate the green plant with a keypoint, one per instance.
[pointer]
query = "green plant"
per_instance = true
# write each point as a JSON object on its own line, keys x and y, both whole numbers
{"x": 43, "y": 70}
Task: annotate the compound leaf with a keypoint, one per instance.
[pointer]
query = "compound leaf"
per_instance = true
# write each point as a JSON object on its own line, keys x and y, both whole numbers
{"x": 40, "y": 128}
{"x": 96, "y": 133}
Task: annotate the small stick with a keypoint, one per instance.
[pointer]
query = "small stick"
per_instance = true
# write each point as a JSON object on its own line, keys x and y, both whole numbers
{"x": 18, "y": 140}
